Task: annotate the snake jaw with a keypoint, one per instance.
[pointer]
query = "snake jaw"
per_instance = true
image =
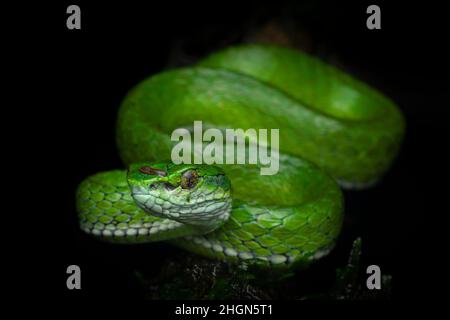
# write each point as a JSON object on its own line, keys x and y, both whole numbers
{"x": 199, "y": 212}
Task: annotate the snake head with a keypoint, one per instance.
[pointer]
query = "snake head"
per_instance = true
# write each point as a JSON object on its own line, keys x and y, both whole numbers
{"x": 198, "y": 195}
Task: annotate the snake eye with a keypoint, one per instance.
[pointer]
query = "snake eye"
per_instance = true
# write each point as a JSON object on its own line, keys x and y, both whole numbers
{"x": 189, "y": 179}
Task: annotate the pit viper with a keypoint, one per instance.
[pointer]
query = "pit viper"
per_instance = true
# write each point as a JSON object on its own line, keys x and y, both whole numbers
{"x": 333, "y": 130}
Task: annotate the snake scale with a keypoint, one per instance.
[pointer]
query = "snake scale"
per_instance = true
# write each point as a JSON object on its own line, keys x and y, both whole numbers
{"x": 333, "y": 130}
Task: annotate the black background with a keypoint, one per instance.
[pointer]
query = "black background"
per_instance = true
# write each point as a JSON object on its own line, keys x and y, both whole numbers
{"x": 82, "y": 75}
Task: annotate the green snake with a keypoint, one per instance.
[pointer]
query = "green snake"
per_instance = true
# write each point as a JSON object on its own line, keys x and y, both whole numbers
{"x": 333, "y": 130}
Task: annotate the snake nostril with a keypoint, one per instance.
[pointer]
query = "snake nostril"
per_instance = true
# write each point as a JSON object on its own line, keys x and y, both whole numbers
{"x": 153, "y": 186}
{"x": 169, "y": 186}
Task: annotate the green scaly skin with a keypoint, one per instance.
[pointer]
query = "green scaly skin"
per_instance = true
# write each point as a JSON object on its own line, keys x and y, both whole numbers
{"x": 332, "y": 128}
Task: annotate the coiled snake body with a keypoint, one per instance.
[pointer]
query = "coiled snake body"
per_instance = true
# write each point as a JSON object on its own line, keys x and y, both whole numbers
{"x": 331, "y": 128}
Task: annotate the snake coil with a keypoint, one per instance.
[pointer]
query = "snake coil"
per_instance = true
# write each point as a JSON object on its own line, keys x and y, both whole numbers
{"x": 332, "y": 127}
